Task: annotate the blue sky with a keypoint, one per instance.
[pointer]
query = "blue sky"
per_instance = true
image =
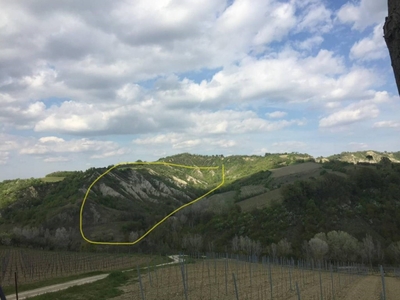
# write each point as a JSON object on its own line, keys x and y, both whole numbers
{"x": 93, "y": 83}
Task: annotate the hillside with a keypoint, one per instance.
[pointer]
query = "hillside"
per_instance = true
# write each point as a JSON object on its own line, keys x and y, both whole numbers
{"x": 266, "y": 198}
{"x": 369, "y": 156}
{"x": 126, "y": 201}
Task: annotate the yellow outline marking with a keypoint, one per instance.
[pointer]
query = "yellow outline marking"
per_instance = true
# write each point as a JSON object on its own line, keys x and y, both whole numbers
{"x": 158, "y": 223}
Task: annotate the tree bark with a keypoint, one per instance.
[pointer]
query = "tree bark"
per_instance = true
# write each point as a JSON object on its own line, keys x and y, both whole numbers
{"x": 391, "y": 33}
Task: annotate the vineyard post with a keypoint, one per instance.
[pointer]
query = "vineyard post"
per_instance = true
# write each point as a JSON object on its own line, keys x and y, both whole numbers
{"x": 251, "y": 282}
{"x": 16, "y": 285}
{"x": 237, "y": 263}
{"x": 156, "y": 271}
{"x": 184, "y": 280}
{"x": 302, "y": 271}
{"x": 383, "y": 283}
{"x": 333, "y": 292}
{"x": 290, "y": 277}
{"x": 215, "y": 269}
{"x": 320, "y": 283}
{"x": 270, "y": 277}
{"x": 226, "y": 275}
{"x": 148, "y": 272}
{"x": 140, "y": 284}
{"x": 298, "y": 291}
{"x": 236, "y": 289}
{"x": 186, "y": 275}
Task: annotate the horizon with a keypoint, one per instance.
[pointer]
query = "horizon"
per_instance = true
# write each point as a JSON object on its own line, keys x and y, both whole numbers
{"x": 225, "y": 156}
{"x": 89, "y": 84}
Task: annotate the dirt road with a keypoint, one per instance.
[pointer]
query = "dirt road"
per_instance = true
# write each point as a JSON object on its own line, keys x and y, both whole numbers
{"x": 65, "y": 285}
{"x": 56, "y": 287}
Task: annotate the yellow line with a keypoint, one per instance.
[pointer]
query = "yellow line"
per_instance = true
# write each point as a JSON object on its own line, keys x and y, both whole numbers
{"x": 165, "y": 218}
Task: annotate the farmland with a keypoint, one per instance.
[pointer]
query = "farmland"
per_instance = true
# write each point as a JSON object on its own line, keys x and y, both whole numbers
{"x": 34, "y": 266}
{"x": 236, "y": 278}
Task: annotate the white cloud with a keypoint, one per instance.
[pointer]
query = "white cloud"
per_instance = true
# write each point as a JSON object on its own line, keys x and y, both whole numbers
{"x": 276, "y": 114}
{"x": 8, "y": 144}
{"x": 50, "y": 148}
{"x": 350, "y": 114}
{"x": 56, "y": 159}
{"x": 185, "y": 142}
{"x": 234, "y": 122}
{"x": 310, "y": 43}
{"x": 315, "y": 18}
{"x": 362, "y": 14}
{"x": 370, "y": 48}
{"x": 194, "y": 76}
{"x": 387, "y": 124}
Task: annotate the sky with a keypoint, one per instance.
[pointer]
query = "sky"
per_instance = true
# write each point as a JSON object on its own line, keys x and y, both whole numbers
{"x": 92, "y": 83}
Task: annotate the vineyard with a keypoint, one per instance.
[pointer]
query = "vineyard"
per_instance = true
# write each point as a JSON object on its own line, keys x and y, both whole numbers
{"x": 36, "y": 265}
{"x": 244, "y": 278}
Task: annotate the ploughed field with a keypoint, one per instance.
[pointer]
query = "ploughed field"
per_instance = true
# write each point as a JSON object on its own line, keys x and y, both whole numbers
{"x": 236, "y": 279}
{"x": 36, "y": 265}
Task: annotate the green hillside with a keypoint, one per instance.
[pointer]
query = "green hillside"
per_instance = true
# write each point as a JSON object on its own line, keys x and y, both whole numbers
{"x": 266, "y": 198}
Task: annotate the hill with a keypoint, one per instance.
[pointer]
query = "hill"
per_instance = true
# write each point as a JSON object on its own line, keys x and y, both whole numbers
{"x": 266, "y": 199}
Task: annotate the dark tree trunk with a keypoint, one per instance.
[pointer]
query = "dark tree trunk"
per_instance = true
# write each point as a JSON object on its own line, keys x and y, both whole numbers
{"x": 391, "y": 32}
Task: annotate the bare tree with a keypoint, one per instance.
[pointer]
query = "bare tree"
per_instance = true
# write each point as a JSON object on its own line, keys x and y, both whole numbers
{"x": 394, "y": 251}
{"x": 380, "y": 254}
{"x": 368, "y": 249}
{"x": 211, "y": 246}
{"x": 133, "y": 236}
{"x": 391, "y": 32}
{"x": 306, "y": 250}
{"x": 193, "y": 242}
{"x": 235, "y": 244}
{"x": 61, "y": 237}
{"x": 245, "y": 244}
{"x": 256, "y": 248}
{"x": 273, "y": 251}
{"x": 284, "y": 247}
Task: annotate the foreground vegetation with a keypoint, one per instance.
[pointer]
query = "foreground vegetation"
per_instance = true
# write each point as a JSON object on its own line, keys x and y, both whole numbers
{"x": 360, "y": 200}
{"x": 36, "y": 268}
{"x": 242, "y": 277}
{"x": 103, "y": 289}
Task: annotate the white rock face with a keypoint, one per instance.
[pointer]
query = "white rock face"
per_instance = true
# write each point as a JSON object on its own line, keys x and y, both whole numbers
{"x": 136, "y": 187}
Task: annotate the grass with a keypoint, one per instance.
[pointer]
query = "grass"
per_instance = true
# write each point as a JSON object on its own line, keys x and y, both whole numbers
{"x": 102, "y": 289}
{"x": 261, "y": 201}
{"x": 52, "y": 179}
{"x": 154, "y": 260}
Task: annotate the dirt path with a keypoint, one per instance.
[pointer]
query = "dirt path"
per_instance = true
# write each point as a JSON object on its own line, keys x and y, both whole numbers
{"x": 65, "y": 285}
{"x": 57, "y": 287}
{"x": 368, "y": 288}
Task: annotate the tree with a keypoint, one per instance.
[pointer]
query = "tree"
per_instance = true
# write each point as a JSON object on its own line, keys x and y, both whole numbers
{"x": 319, "y": 248}
{"x": 61, "y": 238}
{"x": 193, "y": 242}
{"x": 306, "y": 250}
{"x": 394, "y": 251}
{"x": 235, "y": 244}
{"x": 385, "y": 162}
{"x": 133, "y": 236}
{"x": 284, "y": 247}
{"x": 342, "y": 246}
{"x": 272, "y": 250}
{"x": 391, "y": 33}
{"x": 368, "y": 248}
